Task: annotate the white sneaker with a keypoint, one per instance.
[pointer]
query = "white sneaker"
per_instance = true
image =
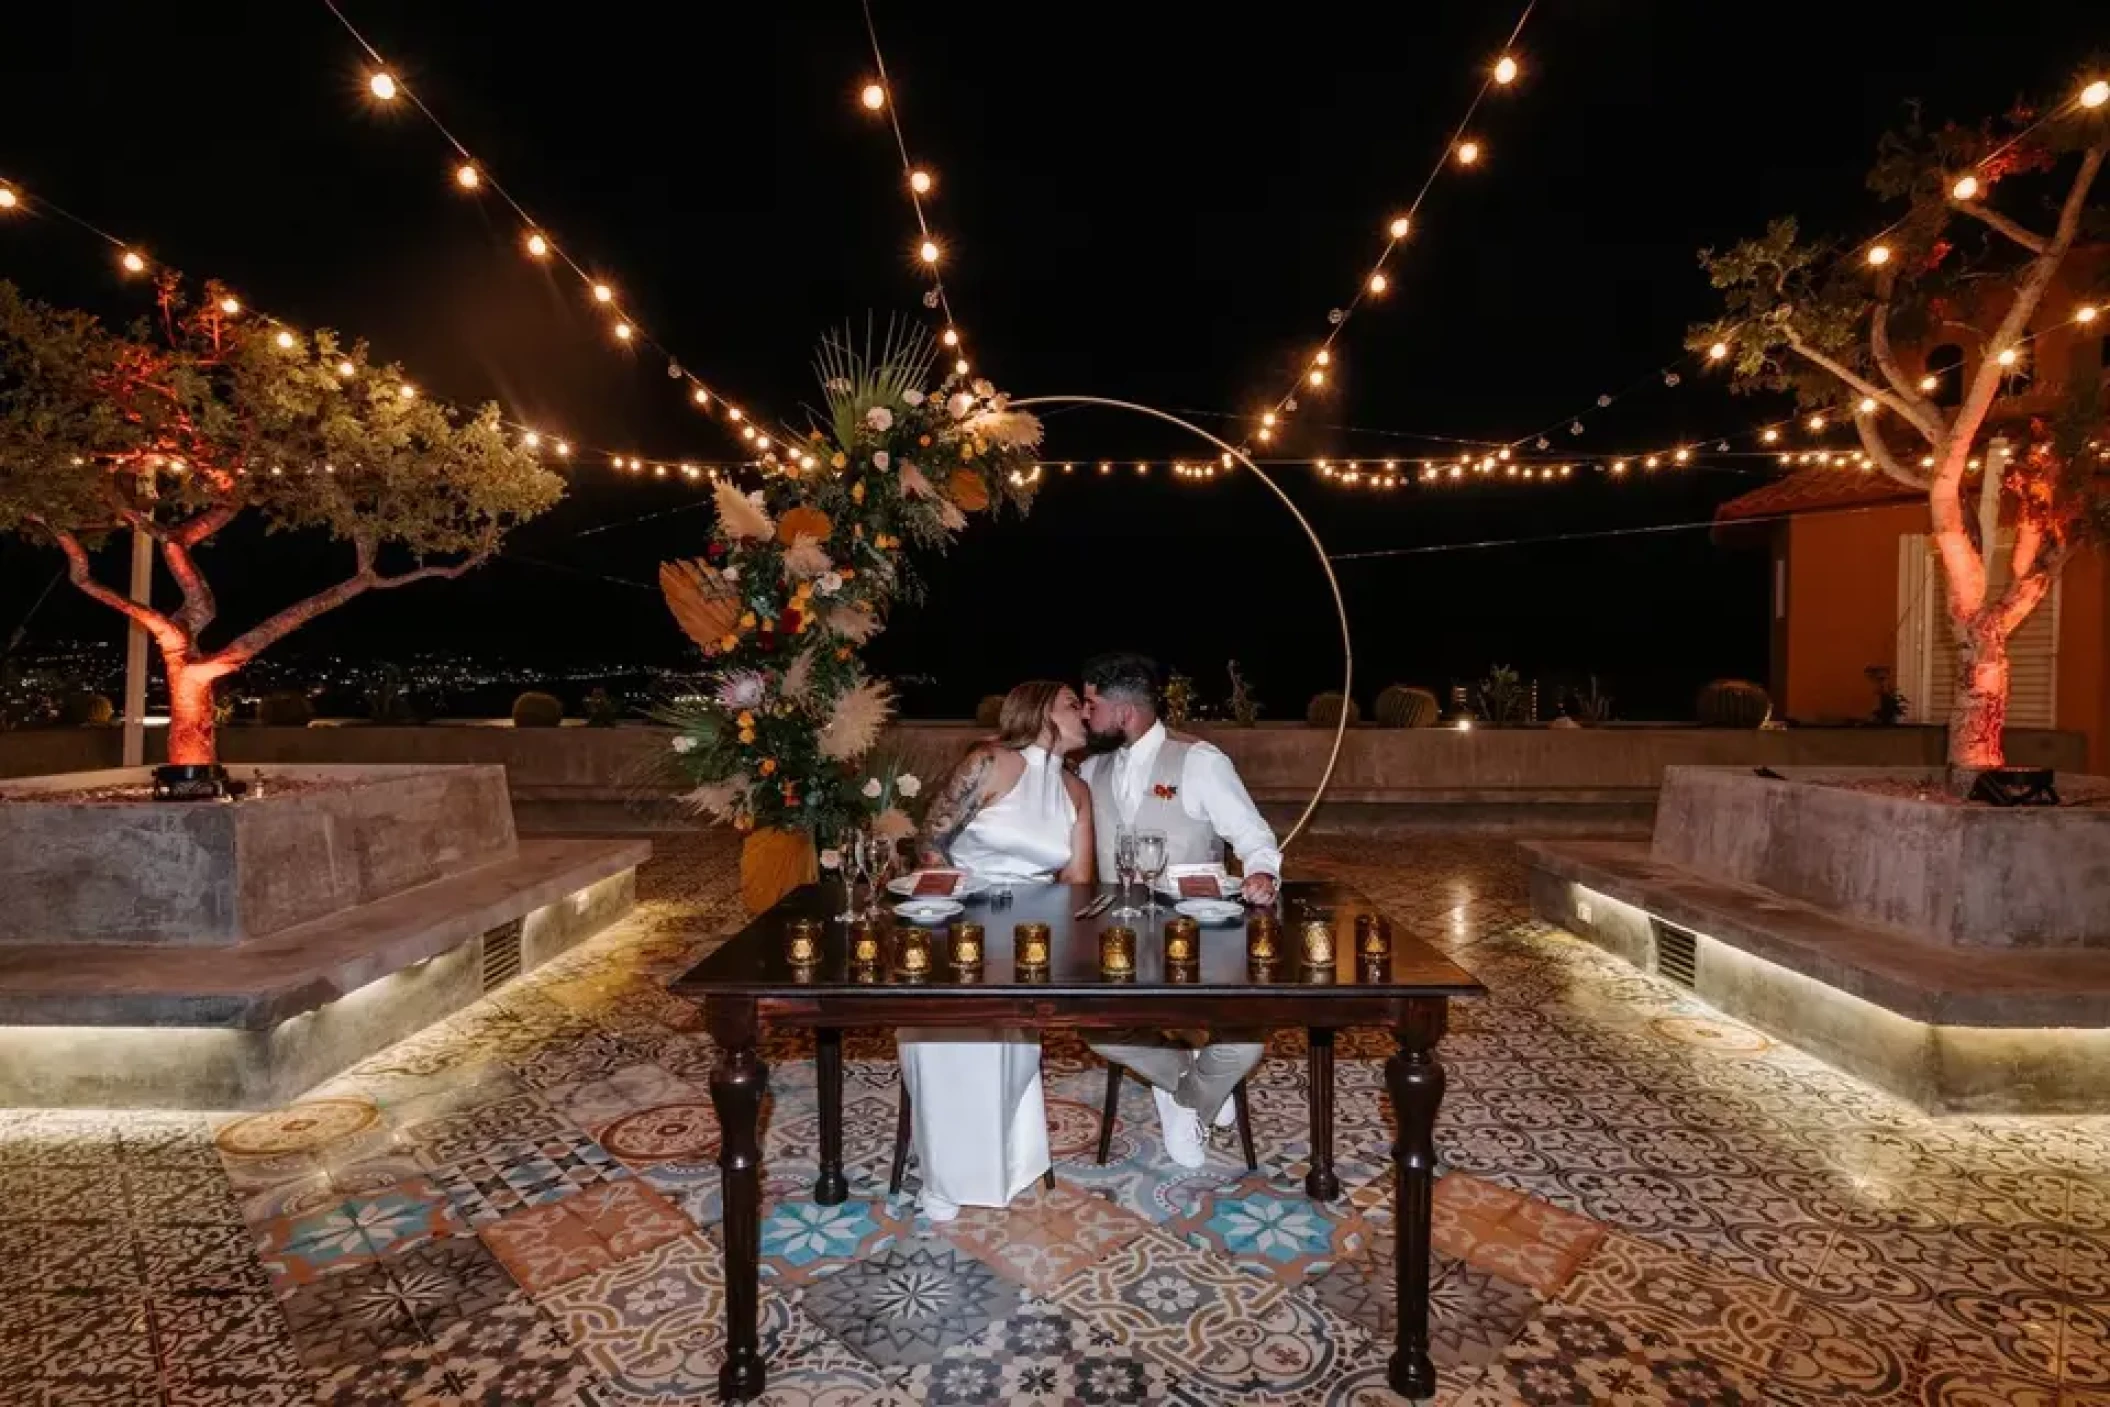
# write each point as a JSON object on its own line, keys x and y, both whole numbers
{"x": 1182, "y": 1128}
{"x": 1227, "y": 1115}
{"x": 938, "y": 1210}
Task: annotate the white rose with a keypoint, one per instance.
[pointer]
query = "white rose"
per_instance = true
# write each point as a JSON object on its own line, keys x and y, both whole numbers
{"x": 882, "y": 461}
{"x": 961, "y": 405}
{"x": 684, "y": 744}
{"x": 830, "y": 583}
{"x": 831, "y": 859}
{"x": 913, "y": 397}
{"x": 872, "y": 789}
{"x": 731, "y": 573}
{"x": 908, "y": 785}
{"x": 879, "y": 418}
{"x": 983, "y": 389}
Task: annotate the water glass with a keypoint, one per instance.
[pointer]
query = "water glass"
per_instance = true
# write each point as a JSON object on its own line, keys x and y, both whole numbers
{"x": 1124, "y": 871}
{"x": 1150, "y": 864}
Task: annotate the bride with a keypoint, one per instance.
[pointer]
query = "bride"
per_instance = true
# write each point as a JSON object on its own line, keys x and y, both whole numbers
{"x": 1008, "y": 812}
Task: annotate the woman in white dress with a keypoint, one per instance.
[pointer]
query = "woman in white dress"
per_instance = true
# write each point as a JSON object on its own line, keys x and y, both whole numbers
{"x": 1009, "y": 812}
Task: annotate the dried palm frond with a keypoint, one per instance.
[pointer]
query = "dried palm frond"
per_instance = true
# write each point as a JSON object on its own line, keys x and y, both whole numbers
{"x": 805, "y": 560}
{"x": 856, "y": 378}
{"x": 854, "y": 724}
{"x": 853, "y": 623}
{"x": 1012, "y": 428}
{"x": 949, "y": 516}
{"x": 893, "y": 824}
{"x": 798, "y": 677}
{"x": 740, "y": 515}
{"x": 914, "y": 485}
{"x": 718, "y": 800}
{"x": 702, "y": 601}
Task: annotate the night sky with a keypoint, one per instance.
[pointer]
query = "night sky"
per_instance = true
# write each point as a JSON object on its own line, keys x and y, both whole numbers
{"x": 1150, "y": 202}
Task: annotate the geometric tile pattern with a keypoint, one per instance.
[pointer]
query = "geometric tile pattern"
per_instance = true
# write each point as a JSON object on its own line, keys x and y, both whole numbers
{"x": 1641, "y": 1201}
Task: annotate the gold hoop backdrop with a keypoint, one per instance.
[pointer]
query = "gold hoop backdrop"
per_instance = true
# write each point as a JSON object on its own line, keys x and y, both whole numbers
{"x": 1340, "y": 608}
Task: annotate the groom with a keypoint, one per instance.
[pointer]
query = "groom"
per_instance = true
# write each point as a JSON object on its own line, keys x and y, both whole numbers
{"x": 1148, "y": 779}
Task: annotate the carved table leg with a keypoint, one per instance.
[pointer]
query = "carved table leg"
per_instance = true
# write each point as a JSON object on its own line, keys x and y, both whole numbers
{"x": 1321, "y": 1184}
{"x": 830, "y": 1188}
{"x": 737, "y": 1082}
{"x": 1416, "y": 1082}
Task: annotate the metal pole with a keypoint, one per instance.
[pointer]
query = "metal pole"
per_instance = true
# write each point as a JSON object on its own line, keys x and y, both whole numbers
{"x": 136, "y": 653}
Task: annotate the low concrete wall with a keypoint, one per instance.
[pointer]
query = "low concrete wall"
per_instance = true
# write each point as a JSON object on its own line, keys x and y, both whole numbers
{"x": 595, "y": 778}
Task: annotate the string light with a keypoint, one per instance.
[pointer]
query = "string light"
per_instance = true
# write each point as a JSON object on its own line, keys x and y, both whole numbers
{"x": 133, "y": 262}
{"x": 1868, "y": 405}
{"x": 1966, "y": 188}
{"x": 873, "y": 97}
{"x": 1879, "y": 255}
{"x": 2096, "y": 94}
{"x": 1378, "y": 283}
{"x": 1929, "y": 382}
{"x": 1816, "y": 423}
{"x": 8, "y": 199}
{"x": 1399, "y": 228}
{"x": 2007, "y": 357}
{"x": 407, "y": 391}
{"x": 1505, "y": 70}
{"x": 602, "y": 293}
{"x": 1468, "y": 153}
{"x": 919, "y": 182}
{"x": 467, "y": 177}
{"x": 285, "y": 341}
{"x": 346, "y": 370}
{"x": 1317, "y": 377}
{"x": 928, "y": 251}
{"x": 230, "y": 306}
{"x": 1718, "y": 351}
{"x": 702, "y": 397}
{"x": 2084, "y": 314}
{"x": 383, "y": 86}
{"x": 622, "y": 332}
{"x": 1771, "y": 436}
{"x": 537, "y": 246}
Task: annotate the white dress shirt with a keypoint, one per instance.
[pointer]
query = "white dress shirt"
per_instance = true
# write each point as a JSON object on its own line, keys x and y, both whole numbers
{"x": 1209, "y": 791}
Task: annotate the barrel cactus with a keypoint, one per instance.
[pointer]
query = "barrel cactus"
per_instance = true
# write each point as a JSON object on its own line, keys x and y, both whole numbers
{"x": 534, "y": 709}
{"x": 1402, "y": 706}
{"x": 1734, "y": 703}
{"x": 1326, "y": 710}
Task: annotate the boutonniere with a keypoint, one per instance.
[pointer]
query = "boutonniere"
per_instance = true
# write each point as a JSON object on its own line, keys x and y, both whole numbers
{"x": 1163, "y": 792}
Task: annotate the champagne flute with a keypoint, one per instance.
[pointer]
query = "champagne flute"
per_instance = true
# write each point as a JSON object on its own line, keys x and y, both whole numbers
{"x": 1125, "y": 871}
{"x": 850, "y": 854}
{"x": 1150, "y": 864}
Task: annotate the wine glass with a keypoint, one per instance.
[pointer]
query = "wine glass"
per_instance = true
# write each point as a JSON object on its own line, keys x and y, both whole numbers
{"x": 856, "y": 853}
{"x": 1124, "y": 871}
{"x": 1150, "y": 864}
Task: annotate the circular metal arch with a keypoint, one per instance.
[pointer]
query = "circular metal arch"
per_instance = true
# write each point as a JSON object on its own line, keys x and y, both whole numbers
{"x": 1340, "y": 607}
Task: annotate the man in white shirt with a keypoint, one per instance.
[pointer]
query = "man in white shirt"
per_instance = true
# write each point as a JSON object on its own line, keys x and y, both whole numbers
{"x": 1156, "y": 780}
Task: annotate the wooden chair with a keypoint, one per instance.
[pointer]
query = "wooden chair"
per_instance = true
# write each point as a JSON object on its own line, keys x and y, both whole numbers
{"x": 1113, "y": 1105}
{"x": 903, "y": 1116}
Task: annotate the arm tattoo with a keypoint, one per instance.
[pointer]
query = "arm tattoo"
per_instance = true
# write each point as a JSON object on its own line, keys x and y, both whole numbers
{"x": 955, "y": 807}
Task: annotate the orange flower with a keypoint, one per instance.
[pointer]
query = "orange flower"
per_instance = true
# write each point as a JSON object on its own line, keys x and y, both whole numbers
{"x": 769, "y": 765}
{"x": 967, "y": 489}
{"x": 804, "y": 521}
{"x": 923, "y": 440}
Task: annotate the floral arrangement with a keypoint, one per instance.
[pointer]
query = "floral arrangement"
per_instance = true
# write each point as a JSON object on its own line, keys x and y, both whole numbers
{"x": 799, "y": 574}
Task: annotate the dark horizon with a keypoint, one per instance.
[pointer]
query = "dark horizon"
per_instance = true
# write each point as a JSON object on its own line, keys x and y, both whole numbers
{"x": 1122, "y": 219}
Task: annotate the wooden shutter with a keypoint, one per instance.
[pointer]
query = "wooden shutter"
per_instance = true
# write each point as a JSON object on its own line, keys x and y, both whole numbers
{"x": 1925, "y": 638}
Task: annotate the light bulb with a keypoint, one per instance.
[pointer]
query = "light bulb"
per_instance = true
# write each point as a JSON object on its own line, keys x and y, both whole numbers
{"x": 1505, "y": 69}
{"x": 1879, "y": 255}
{"x": 952, "y": 337}
{"x": 1324, "y": 358}
{"x": 1771, "y": 437}
{"x": 1105, "y": 468}
{"x": 467, "y": 177}
{"x": 2007, "y": 356}
{"x": 873, "y": 97}
{"x": 230, "y": 306}
{"x": 1318, "y": 377}
{"x": 8, "y": 198}
{"x": 602, "y": 293}
{"x": 622, "y": 332}
{"x": 960, "y": 367}
{"x": 1400, "y": 227}
{"x": 1868, "y": 405}
{"x": 1268, "y": 419}
{"x": 564, "y": 449}
{"x": 928, "y": 253}
{"x": 747, "y": 433}
{"x": 1966, "y": 188}
{"x": 733, "y": 413}
{"x": 407, "y": 391}
{"x": 761, "y": 442}
{"x": 1682, "y": 456}
{"x": 133, "y": 263}
{"x": 285, "y": 341}
{"x": 2096, "y": 93}
{"x": 1929, "y": 381}
{"x": 1378, "y": 283}
{"x": 1816, "y": 423}
{"x": 2084, "y": 314}
{"x": 1266, "y": 434}
{"x": 1619, "y": 466}
{"x": 919, "y": 182}
{"x": 702, "y": 397}
{"x": 538, "y": 246}
{"x": 1650, "y": 462}
{"x": 1719, "y": 351}
{"x": 382, "y": 86}
{"x": 346, "y": 370}
{"x": 531, "y": 440}
{"x": 1468, "y": 153}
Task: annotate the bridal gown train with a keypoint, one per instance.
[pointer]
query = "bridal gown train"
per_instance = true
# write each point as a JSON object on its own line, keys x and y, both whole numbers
{"x": 981, "y": 1123}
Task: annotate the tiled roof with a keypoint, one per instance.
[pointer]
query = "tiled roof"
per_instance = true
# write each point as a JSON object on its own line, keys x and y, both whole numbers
{"x": 1813, "y": 490}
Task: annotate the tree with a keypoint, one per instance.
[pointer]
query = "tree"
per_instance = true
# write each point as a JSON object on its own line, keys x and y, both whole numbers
{"x": 1826, "y": 321}
{"x": 180, "y": 425}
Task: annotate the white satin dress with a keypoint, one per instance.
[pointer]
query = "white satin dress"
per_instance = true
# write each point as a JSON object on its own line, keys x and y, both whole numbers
{"x": 981, "y": 1122}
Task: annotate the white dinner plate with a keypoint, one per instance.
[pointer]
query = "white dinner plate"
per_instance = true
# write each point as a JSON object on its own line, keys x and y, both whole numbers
{"x": 929, "y": 910}
{"x": 1211, "y": 910}
{"x": 1169, "y": 882}
{"x": 970, "y": 885}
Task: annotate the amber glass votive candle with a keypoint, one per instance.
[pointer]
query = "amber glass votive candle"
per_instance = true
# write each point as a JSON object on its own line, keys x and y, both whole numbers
{"x": 1315, "y": 942}
{"x": 912, "y": 959}
{"x": 802, "y": 942}
{"x": 864, "y": 944}
{"x": 1183, "y": 941}
{"x": 1117, "y": 952}
{"x": 967, "y": 946}
{"x": 1030, "y": 945}
{"x": 1263, "y": 937}
{"x": 1373, "y": 936}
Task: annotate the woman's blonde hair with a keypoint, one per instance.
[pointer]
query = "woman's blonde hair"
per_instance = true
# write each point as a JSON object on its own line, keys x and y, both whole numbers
{"x": 1025, "y": 713}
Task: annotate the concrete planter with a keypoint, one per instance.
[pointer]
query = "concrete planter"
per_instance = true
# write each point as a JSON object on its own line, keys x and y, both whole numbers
{"x": 1973, "y": 876}
{"x": 220, "y": 873}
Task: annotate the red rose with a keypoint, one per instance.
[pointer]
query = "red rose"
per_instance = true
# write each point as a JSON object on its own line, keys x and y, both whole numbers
{"x": 789, "y": 621}
{"x": 714, "y": 550}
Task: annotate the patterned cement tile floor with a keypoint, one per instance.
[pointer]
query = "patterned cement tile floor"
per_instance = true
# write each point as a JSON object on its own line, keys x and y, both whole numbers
{"x": 1644, "y": 1202}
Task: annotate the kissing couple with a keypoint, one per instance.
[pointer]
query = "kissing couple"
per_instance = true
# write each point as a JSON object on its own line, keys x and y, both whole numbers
{"x": 1014, "y": 811}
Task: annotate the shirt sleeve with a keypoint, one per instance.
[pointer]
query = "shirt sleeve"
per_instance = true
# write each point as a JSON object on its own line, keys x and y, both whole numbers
{"x": 1212, "y": 783}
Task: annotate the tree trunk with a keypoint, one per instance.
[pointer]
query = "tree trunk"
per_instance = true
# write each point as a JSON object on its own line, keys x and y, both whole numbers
{"x": 1978, "y": 714}
{"x": 192, "y": 738}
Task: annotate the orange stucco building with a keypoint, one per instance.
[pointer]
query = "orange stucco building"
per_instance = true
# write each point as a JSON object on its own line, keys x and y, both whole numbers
{"x": 1854, "y": 584}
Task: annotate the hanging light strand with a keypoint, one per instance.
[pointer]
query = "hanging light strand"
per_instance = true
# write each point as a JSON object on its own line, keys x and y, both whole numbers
{"x": 917, "y": 181}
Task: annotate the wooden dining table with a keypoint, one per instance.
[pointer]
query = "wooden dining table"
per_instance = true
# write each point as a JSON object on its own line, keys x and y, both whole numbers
{"x": 751, "y": 980}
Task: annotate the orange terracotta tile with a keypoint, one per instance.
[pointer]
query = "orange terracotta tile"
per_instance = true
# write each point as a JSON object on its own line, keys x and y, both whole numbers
{"x": 628, "y": 1217}
{"x": 545, "y": 1246}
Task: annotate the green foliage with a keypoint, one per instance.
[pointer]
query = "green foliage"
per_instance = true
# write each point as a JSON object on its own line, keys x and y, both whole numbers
{"x": 1590, "y": 704}
{"x": 1325, "y": 711}
{"x": 1401, "y": 706}
{"x": 1179, "y": 699}
{"x": 1244, "y": 704}
{"x": 1890, "y": 704}
{"x": 288, "y": 708}
{"x": 535, "y": 709}
{"x": 1734, "y": 703}
{"x": 1501, "y": 695}
{"x": 388, "y": 698}
{"x": 84, "y": 710}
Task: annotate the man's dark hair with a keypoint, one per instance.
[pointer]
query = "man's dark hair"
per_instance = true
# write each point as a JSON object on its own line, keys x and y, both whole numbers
{"x": 1130, "y": 676}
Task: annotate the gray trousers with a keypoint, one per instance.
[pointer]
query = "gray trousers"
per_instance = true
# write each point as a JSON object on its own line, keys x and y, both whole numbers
{"x": 1199, "y": 1077}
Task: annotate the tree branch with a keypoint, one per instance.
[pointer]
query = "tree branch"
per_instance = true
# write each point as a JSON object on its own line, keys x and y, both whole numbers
{"x": 1885, "y": 460}
{"x": 1926, "y": 417}
{"x": 247, "y": 646}
{"x": 2034, "y": 243}
{"x": 80, "y": 571}
{"x": 1851, "y": 377}
{"x": 199, "y": 603}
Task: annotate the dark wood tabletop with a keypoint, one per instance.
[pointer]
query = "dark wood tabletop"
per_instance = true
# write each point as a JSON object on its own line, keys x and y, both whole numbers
{"x": 750, "y": 981}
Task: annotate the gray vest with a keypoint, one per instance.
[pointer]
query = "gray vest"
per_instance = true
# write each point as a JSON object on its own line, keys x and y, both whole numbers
{"x": 1187, "y": 841}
